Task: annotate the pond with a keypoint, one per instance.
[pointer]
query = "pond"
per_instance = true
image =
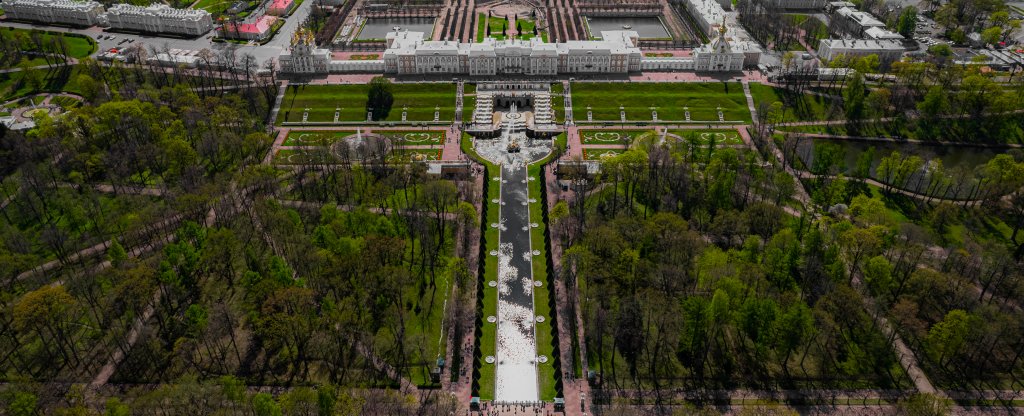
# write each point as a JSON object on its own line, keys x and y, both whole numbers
{"x": 957, "y": 161}
{"x": 646, "y": 27}
{"x": 378, "y": 28}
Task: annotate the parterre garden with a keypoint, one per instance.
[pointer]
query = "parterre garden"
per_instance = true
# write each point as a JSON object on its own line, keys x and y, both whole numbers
{"x": 313, "y": 146}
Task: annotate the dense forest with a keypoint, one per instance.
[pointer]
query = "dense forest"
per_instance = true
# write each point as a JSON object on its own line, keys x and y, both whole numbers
{"x": 704, "y": 268}
{"x": 149, "y": 255}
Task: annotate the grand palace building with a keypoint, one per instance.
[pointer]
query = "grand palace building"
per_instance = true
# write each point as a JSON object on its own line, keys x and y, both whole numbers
{"x": 409, "y": 53}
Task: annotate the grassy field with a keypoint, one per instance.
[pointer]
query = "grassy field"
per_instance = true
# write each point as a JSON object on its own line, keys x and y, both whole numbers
{"x": 496, "y": 23}
{"x": 217, "y": 7}
{"x": 481, "y": 29}
{"x": 65, "y": 102}
{"x": 623, "y": 137}
{"x": 413, "y": 138}
{"x": 78, "y": 46}
{"x": 703, "y": 137}
{"x": 599, "y": 154}
{"x": 351, "y": 99}
{"x": 414, "y": 155}
{"x": 527, "y": 25}
{"x": 315, "y": 137}
{"x": 702, "y": 99}
{"x": 805, "y": 107}
{"x": 328, "y": 137}
{"x": 301, "y": 156}
{"x": 20, "y": 84}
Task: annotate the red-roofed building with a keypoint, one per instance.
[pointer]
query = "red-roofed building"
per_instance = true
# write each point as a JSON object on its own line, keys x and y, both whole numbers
{"x": 281, "y": 7}
{"x": 259, "y": 29}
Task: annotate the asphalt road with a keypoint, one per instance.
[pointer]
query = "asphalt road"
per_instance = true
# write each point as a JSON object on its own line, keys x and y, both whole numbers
{"x": 272, "y": 49}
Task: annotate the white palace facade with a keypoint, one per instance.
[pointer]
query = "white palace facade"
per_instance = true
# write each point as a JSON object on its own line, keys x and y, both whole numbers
{"x": 408, "y": 53}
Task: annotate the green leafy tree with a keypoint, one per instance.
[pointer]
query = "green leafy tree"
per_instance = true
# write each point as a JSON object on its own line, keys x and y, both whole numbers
{"x": 116, "y": 254}
{"x": 23, "y": 404}
{"x": 114, "y": 407}
{"x": 380, "y": 98}
{"x": 263, "y": 404}
{"x": 907, "y": 22}
{"x": 992, "y": 35}
{"x": 853, "y": 98}
{"x": 878, "y": 275}
{"x": 948, "y": 336}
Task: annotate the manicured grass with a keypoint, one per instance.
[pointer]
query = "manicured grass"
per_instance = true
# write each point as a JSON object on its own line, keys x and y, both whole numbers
{"x": 702, "y": 99}
{"x": 599, "y": 154}
{"x": 623, "y": 137}
{"x": 65, "y": 102}
{"x": 413, "y": 155}
{"x": 703, "y": 137}
{"x": 217, "y": 7}
{"x": 496, "y": 23}
{"x": 315, "y": 137}
{"x": 351, "y": 99}
{"x": 20, "y": 84}
{"x": 79, "y": 46}
{"x": 481, "y": 29}
{"x": 802, "y": 107}
{"x": 527, "y": 25}
{"x": 657, "y": 54}
{"x": 412, "y": 138}
{"x": 300, "y": 156}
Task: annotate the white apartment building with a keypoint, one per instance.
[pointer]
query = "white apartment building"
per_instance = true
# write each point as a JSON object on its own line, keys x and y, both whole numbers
{"x": 855, "y": 22}
{"x": 159, "y": 18}
{"x": 68, "y": 12}
{"x": 887, "y": 51}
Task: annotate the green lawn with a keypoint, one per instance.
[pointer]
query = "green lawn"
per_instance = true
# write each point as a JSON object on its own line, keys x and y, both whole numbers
{"x": 66, "y": 103}
{"x": 413, "y": 138}
{"x": 216, "y": 7}
{"x": 527, "y": 25}
{"x": 496, "y": 23}
{"x": 414, "y": 155}
{"x": 315, "y": 137}
{"x": 804, "y": 107}
{"x": 79, "y": 46}
{"x": 703, "y": 137}
{"x": 351, "y": 99}
{"x": 481, "y": 29}
{"x": 20, "y": 84}
{"x": 301, "y": 156}
{"x": 398, "y": 137}
{"x": 702, "y": 99}
{"x": 599, "y": 154}
{"x": 623, "y": 137}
